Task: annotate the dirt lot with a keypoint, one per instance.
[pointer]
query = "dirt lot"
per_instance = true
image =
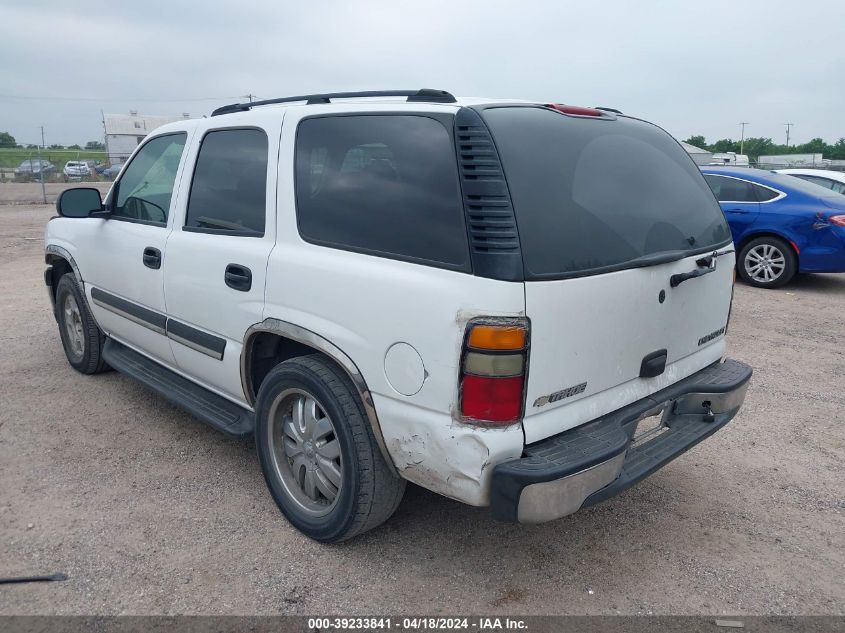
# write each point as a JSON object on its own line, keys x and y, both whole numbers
{"x": 148, "y": 511}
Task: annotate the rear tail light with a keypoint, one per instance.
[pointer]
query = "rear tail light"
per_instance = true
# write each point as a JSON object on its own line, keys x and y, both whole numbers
{"x": 493, "y": 368}
{"x": 838, "y": 220}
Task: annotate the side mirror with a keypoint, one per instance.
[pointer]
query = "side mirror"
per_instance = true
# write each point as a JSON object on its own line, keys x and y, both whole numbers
{"x": 79, "y": 203}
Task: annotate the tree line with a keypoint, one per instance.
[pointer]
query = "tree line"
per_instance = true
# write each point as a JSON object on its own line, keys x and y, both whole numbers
{"x": 8, "y": 141}
{"x": 758, "y": 146}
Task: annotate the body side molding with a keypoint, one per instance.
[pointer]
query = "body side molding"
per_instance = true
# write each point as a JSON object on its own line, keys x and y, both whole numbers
{"x": 320, "y": 344}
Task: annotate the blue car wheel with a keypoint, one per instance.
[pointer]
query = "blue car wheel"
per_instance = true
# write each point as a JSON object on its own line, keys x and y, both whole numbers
{"x": 767, "y": 262}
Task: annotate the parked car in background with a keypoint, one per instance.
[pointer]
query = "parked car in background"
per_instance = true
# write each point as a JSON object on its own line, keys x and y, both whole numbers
{"x": 781, "y": 225}
{"x": 76, "y": 169}
{"x": 113, "y": 171}
{"x": 834, "y": 180}
{"x": 32, "y": 168}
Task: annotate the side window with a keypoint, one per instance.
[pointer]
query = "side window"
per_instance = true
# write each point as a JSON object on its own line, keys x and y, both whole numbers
{"x": 816, "y": 180}
{"x": 229, "y": 190}
{"x": 838, "y": 187}
{"x": 144, "y": 190}
{"x": 764, "y": 194}
{"x": 730, "y": 189}
{"x": 385, "y": 185}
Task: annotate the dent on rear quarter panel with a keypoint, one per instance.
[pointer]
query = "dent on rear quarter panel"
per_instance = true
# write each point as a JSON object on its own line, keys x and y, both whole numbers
{"x": 437, "y": 450}
{"x": 430, "y": 449}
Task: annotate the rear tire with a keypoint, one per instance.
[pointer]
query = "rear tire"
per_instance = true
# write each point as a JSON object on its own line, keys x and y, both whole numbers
{"x": 318, "y": 453}
{"x": 82, "y": 339}
{"x": 767, "y": 262}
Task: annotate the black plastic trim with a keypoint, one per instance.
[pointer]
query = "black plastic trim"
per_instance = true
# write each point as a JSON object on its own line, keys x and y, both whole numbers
{"x": 121, "y": 218}
{"x": 603, "y": 439}
{"x": 216, "y": 411}
{"x": 653, "y": 364}
{"x": 154, "y": 320}
{"x": 208, "y": 344}
{"x": 491, "y": 225}
{"x": 210, "y": 231}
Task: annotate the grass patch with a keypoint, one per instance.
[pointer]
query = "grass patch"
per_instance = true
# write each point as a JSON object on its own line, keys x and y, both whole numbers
{"x": 12, "y": 157}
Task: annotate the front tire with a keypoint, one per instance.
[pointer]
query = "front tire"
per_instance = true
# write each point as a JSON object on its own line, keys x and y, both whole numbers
{"x": 81, "y": 338}
{"x": 318, "y": 453}
{"x": 767, "y": 262}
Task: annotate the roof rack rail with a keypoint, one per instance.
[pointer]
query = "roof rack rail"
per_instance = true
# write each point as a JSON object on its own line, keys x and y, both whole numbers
{"x": 423, "y": 95}
{"x": 609, "y": 109}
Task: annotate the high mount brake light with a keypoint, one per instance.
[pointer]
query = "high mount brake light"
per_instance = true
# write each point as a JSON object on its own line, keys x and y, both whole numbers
{"x": 576, "y": 110}
{"x": 493, "y": 367}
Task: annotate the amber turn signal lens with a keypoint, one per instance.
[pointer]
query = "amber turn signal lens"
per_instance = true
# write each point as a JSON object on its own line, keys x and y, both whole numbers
{"x": 496, "y": 337}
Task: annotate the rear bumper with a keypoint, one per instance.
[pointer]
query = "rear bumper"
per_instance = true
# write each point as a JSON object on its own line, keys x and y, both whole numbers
{"x": 600, "y": 459}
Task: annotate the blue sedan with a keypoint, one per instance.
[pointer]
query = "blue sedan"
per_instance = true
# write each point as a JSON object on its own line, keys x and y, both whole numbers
{"x": 781, "y": 225}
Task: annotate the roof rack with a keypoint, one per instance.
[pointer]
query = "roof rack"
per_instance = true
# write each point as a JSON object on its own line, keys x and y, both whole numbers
{"x": 609, "y": 109}
{"x": 423, "y": 95}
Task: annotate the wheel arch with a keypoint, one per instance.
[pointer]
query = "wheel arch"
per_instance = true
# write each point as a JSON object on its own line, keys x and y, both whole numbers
{"x": 767, "y": 233}
{"x": 288, "y": 340}
{"x": 61, "y": 262}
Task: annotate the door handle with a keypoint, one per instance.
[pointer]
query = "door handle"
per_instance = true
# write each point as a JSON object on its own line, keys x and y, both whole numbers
{"x": 152, "y": 258}
{"x": 238, "y": 277}
{"x": 736, "y": 211}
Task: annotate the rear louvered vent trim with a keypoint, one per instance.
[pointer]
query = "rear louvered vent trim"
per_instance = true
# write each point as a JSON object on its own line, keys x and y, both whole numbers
{"x": 492, "y": 228}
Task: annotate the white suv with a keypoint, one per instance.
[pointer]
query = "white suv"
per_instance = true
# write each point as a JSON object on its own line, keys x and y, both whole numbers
{"x": 513, "y": 304}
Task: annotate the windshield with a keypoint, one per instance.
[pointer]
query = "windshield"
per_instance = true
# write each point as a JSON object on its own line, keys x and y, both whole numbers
{"x": 594, "y": 195}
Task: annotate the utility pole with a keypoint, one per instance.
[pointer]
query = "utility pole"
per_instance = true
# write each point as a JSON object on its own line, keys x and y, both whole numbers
{"x": 251, "y": 97}
{"x": 41, "y": 168}
{"x": 742, "y": 140}
{"x": 788, "y": 125}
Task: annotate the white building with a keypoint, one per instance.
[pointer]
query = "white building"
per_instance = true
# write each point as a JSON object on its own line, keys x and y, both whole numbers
{"x": 700, "y": 156}
{"x": 124, "y": 132}
{"x": 792, "y": 160}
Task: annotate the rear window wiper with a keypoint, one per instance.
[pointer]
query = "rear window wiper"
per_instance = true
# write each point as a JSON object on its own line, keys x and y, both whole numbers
{"x": 654, "y": 259}
{"x": 707, "y": 265}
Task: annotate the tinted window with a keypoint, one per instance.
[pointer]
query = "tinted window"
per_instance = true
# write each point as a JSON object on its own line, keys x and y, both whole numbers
{"x": 386, "y": 185}
{"x": 824, "y": 182}
{"x": 146, "y": 186}
{"x": 592, "y": 194}
{"x": 730, "y": 189}
{"x": 764, "y": 194}
{"x": 229, "y": 189}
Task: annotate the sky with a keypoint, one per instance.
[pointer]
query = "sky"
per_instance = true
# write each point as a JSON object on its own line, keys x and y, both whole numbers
{"x": 691, "y": 66}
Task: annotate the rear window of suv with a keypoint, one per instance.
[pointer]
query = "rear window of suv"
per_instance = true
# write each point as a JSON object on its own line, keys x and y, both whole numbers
{"x": 595, "y": 195}
{"x": 385, "y": 185}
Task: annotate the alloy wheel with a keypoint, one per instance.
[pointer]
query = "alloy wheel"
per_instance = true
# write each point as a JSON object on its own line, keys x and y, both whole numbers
{"x": 305, "y": 451}
{"x": 73, "y": 326}
{"x": 765, "y": 263}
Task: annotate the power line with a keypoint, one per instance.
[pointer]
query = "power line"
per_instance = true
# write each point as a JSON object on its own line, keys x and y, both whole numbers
{"x": 52, "y": 98}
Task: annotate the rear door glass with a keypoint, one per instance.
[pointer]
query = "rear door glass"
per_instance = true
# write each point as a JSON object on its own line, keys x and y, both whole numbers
{"x": 229, "y": 189}
{"x": 591, "y": 195}
{"x": 384, "y": 185}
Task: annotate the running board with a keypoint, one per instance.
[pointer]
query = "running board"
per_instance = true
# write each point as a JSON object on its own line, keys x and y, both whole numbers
{"x": 219, "y": 413}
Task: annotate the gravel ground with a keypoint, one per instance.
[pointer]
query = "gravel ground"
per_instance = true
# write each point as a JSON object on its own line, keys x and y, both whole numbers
{"x": 149, "y": 512}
